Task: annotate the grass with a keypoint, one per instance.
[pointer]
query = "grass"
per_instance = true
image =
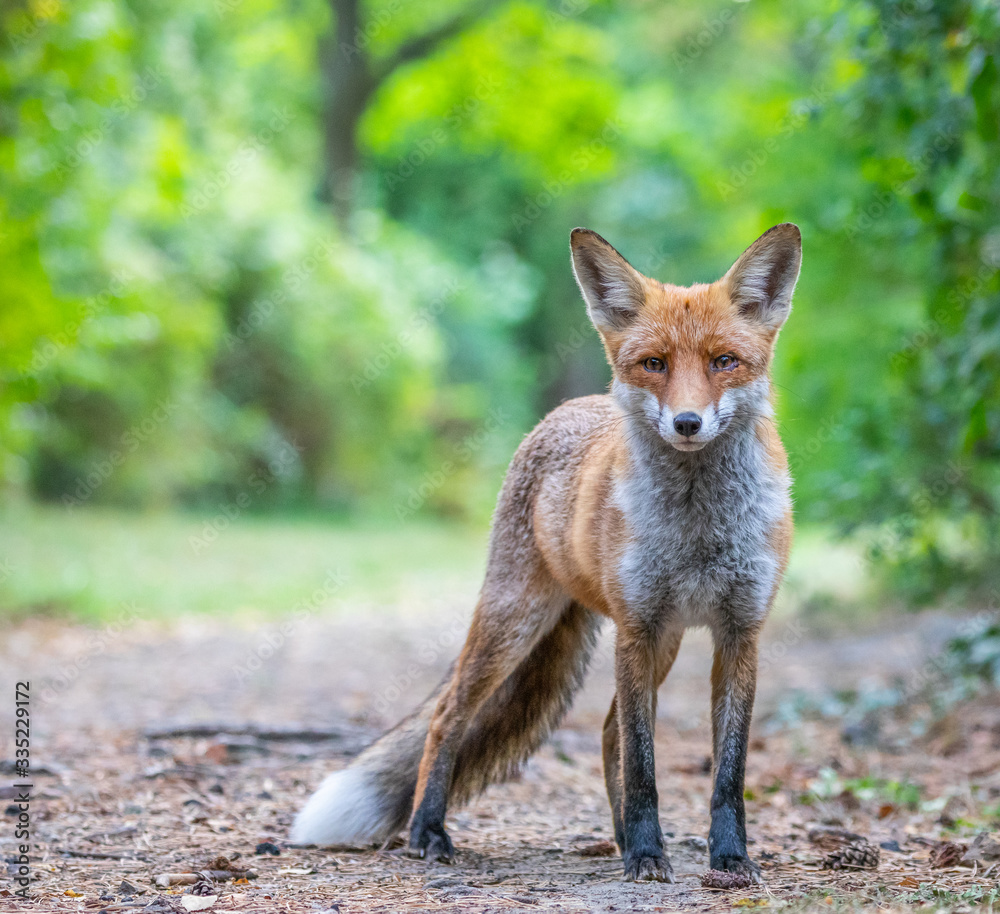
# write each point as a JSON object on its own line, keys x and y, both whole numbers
{"x": 90, "y": 564}
{"x": 904, "y": 794}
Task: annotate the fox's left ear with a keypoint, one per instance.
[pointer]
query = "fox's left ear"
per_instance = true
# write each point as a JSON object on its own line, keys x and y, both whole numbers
{"x": 762, "y": 281}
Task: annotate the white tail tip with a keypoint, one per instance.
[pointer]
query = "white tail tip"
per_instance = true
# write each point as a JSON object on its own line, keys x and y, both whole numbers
{"x": 347, "y": 809}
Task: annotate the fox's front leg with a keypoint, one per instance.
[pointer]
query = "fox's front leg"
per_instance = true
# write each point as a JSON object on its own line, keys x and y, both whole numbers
{"x": 636, "y": 681}
{"x": 734, "y": 682}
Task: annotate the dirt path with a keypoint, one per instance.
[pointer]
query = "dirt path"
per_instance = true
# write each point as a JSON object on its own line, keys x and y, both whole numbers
{"x": 113, "y": 804}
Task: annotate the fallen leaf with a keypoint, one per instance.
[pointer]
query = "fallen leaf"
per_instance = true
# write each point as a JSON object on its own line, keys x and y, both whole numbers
{"x": 73, "y": 894}
{"x": 984, "y": 849}
{"x": 599, "y": 849}
{"x": 218, "y": 753}
{"x": 947, "y": 853}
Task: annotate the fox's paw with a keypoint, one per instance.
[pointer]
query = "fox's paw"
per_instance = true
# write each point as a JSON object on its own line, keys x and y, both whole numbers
{"x": 431, "y": 842}
{"x": 738, "y": 866}
{"x": 648, "y": 868}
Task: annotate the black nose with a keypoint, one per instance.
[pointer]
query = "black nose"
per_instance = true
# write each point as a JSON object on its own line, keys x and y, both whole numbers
{"x": 687, "y": 424}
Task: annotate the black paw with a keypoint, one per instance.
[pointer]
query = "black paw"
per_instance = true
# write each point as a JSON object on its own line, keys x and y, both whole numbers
{"x": 648, "y": 868}
{"x": 740, "y": 865}
{"x": 431, "y": 842}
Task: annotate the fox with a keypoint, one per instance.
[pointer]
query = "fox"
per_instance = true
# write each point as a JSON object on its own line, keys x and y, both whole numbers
{"x": 661, "y": 505}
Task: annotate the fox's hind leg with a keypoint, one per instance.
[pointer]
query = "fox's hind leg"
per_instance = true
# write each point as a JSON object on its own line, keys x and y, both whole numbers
{"x": 613, "y": 769}
{"x": 519, "y": 606}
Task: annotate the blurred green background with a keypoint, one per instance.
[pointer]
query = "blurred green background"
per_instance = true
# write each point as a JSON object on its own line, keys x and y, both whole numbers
{"x": 284, "y": 284}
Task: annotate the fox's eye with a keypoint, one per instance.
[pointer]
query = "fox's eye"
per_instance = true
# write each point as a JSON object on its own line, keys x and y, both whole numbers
{"x": 725, "y": 363}
{"x": 654, "y": 365}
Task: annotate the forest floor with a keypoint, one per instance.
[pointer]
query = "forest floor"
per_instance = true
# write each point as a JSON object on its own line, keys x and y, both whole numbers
{"x": 844, "y": 737}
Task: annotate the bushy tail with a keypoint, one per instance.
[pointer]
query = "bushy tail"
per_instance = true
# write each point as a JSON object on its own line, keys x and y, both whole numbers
{"x": 371, "y": 799}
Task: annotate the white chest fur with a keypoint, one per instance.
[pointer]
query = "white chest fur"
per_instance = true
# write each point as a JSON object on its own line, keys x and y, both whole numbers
{"x": 701, "y": 529}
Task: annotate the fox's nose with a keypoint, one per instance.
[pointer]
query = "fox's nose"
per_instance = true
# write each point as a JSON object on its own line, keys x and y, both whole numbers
{"x": 687, "y": 424}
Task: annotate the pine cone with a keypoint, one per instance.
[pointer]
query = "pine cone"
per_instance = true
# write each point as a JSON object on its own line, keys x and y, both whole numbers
{"x": 717, "y": 879}
{"x": 858, "y": 855}
{"x": 204, "y": 886}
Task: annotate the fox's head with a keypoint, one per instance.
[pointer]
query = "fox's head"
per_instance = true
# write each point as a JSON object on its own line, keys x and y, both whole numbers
{"x": 687, "y": 361}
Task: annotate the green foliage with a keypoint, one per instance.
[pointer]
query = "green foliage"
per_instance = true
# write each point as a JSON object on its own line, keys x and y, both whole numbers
{"x": 926, "y": 113}
{"x": 96, "y": 565}
{"x": 184, "y": 314}
{"x": 867, "y": 789}
{"x": 975, "y": 655}
{"x": 945, "y": 899}
{"x": 184, "y": 319}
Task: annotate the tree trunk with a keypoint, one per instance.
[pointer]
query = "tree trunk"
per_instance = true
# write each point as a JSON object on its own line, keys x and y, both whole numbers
{"x": 348, "y": 86}
{"x": 350, "y": 79}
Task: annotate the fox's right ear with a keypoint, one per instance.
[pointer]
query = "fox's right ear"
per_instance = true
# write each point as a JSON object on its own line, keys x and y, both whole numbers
{"x": 611, "y": 287}
{"x": 762, "y": 281}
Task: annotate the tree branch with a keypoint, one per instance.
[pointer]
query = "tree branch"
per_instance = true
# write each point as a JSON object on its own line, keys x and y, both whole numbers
{"x": 424, "y": 45}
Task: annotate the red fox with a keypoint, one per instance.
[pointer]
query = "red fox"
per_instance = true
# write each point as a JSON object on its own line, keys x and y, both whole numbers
{"x": 663, "y": 505}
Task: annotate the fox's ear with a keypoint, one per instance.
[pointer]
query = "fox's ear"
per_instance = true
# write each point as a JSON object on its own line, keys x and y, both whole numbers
{"x": 762, "y": 281}
{"x": 611, "y": 287}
